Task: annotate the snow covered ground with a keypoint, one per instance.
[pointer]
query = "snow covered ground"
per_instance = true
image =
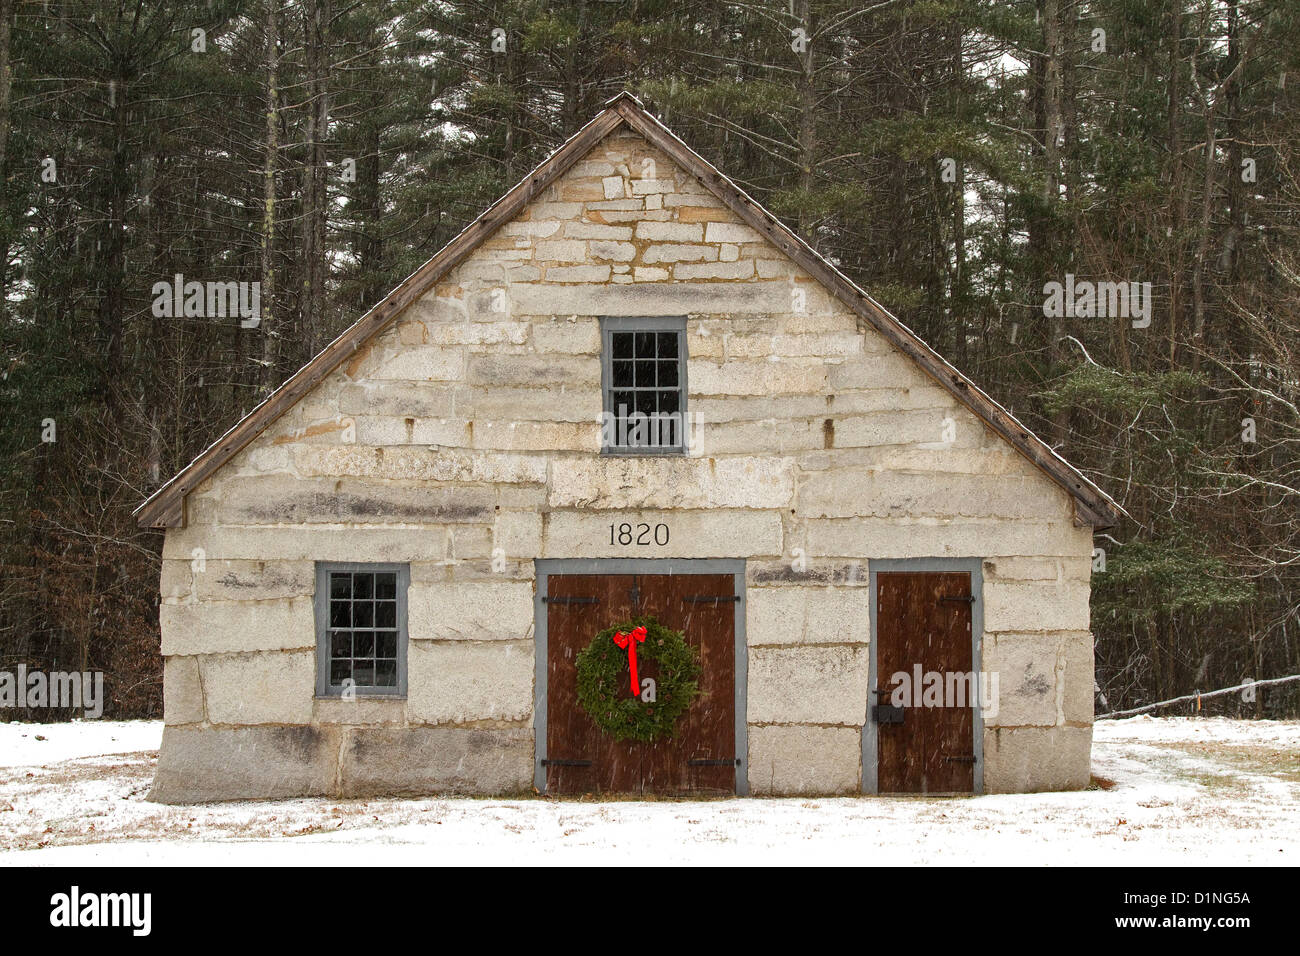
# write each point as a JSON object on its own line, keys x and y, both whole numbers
{"x": 1171, "y": 791}
{"x": 28, "y": 745}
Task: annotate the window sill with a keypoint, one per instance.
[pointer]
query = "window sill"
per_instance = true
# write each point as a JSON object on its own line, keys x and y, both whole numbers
{"x": 372, "y": 709}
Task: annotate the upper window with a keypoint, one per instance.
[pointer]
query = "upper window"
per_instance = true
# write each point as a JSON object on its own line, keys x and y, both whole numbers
{"x": 361, "y": 629}
{"x": 644, "y": 381}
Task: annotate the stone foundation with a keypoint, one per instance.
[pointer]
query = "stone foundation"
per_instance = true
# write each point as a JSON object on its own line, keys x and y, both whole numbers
{"x": 199, "y": 765}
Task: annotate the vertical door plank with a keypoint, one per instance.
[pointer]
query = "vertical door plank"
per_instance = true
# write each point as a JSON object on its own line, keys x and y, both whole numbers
{"x": 931, "y": 751}
{"x": 705, "y": 732}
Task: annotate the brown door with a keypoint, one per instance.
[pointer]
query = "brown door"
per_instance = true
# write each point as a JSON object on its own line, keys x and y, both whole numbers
{"x": 701, "y": 757}
{"x": 923, "y": 624}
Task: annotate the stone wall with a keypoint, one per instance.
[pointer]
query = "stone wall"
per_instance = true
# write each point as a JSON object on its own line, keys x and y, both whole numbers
{"x": 468, "y": 430}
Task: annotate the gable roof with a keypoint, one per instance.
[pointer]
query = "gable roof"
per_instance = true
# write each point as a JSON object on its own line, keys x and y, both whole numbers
{"x": 165, "y": 508}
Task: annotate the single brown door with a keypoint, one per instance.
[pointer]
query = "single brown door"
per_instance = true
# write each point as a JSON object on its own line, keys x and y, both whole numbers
{"x": 701, "y": 757}
{"x": 923, "y": 624}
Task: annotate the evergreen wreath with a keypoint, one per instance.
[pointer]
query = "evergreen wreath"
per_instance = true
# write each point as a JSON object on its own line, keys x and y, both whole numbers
{"x": 604, "y": 694}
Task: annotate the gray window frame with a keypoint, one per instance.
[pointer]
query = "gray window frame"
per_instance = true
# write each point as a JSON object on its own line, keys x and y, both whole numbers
{"x": 323, "y": 568}
{"x": 610, "y": 324}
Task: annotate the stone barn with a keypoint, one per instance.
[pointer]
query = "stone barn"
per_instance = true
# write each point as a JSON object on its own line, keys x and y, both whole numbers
{"x": 626, "y": 390}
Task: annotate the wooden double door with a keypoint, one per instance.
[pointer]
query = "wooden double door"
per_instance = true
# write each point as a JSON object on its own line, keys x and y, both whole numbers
{"x": 701, "y": 757}
{"x": 923, "y": 628}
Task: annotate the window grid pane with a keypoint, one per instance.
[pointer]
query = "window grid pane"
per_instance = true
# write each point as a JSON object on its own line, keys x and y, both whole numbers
{"x": 363, "y": 641}
{"x": 645, "y": 378}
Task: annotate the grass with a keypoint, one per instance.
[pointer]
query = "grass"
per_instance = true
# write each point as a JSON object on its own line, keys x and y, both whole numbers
{"x": 1257, "y": 761}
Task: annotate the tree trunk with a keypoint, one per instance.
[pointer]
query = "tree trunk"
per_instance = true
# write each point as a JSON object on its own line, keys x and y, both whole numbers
{"x": 571, "y": 110}
{"x": 1178, "y": 207}
{"x": 112, "y": 249}
{"x": 270, "y": 335}
{"x": 807, "y": 123}
{"x": 370, "y": 246}
{"x": 1048, "y": 242}
{"x": 6, "y": 79}
{"x": 957, "y": 303}
{"x": 316, "y": 15}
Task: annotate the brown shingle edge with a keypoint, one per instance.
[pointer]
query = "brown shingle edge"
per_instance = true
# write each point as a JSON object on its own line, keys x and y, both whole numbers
{"x": 165, "y": 507}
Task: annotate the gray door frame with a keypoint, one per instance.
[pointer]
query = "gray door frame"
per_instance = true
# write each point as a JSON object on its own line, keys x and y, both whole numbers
{"x": 545, "y": 567}
{"x": 870, "y": 742}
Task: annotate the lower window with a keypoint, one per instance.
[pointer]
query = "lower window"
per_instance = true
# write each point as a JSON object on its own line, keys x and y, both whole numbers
{"x": 361, "y": 629}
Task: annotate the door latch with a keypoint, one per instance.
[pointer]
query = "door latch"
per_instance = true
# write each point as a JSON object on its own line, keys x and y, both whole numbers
{"x": 886, "y": 714}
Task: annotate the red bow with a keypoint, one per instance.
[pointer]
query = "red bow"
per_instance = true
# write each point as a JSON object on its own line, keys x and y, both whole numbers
{"x": 630, "y": 641}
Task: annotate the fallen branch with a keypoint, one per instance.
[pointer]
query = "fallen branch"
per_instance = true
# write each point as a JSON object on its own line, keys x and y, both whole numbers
{"x": 1190, "y": 697}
